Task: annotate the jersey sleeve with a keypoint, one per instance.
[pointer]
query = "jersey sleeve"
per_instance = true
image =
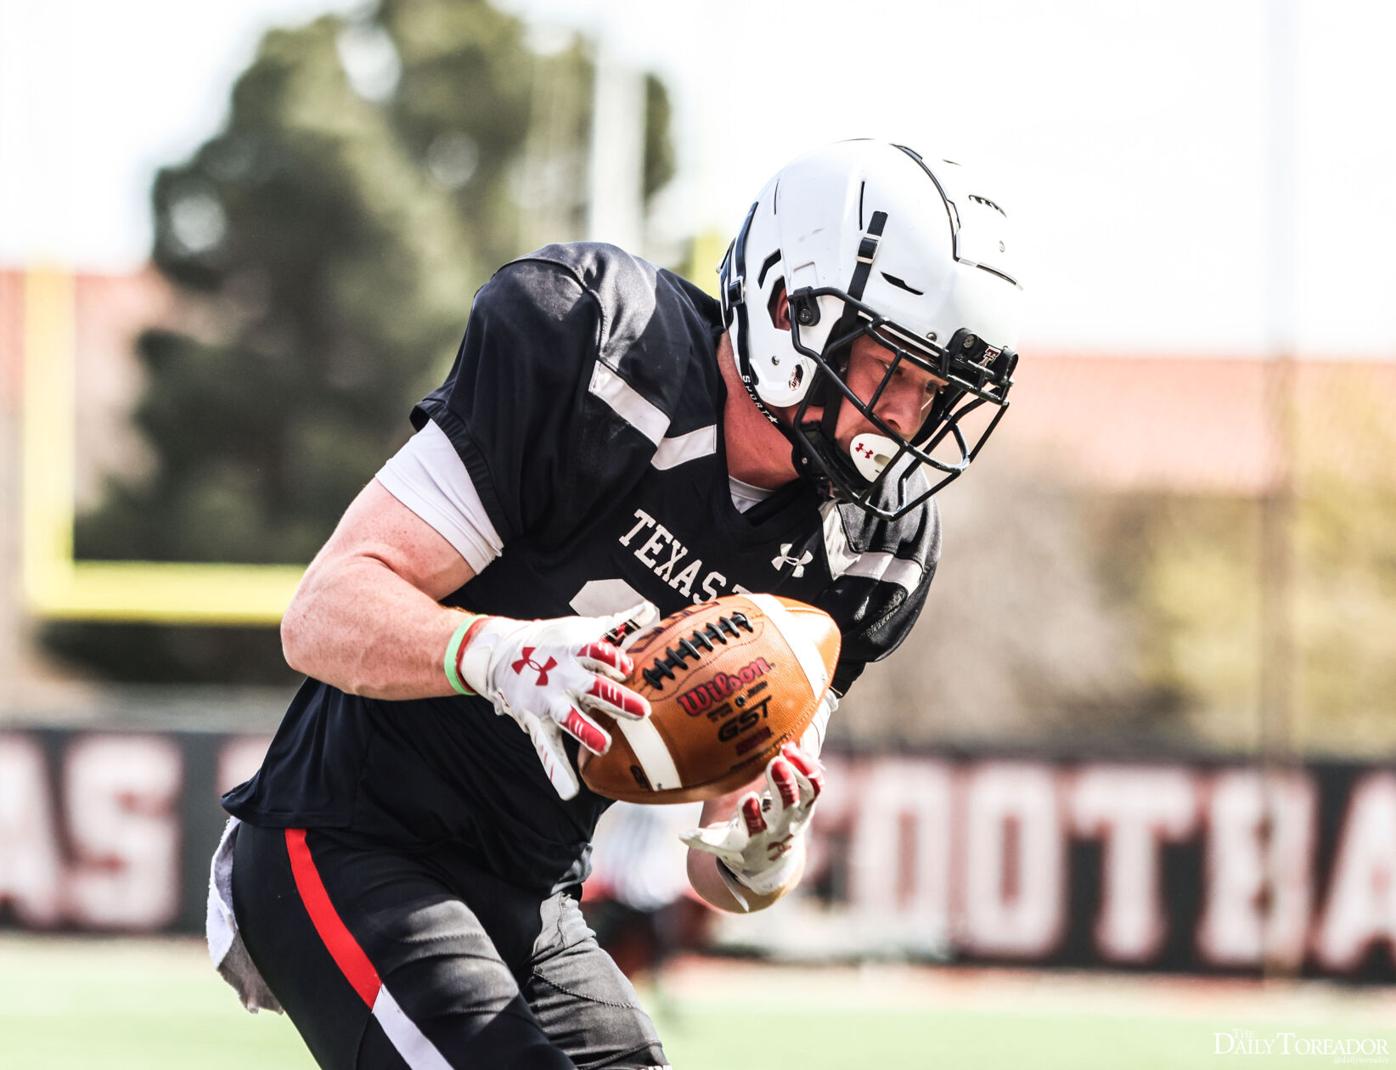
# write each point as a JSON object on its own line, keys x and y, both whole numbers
{"x": 428, "y": 476}
{"x": 515, "y": 405}
{"x": 880, "y": 592}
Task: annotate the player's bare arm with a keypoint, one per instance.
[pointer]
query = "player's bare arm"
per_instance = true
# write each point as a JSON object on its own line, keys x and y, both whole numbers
{"x": 749, "y": 850}
{"x": 366, "y": 617}
{"x": 708, "y": 880}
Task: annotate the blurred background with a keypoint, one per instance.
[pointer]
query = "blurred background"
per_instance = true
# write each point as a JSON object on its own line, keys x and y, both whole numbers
{"x": 1124, "y": 798}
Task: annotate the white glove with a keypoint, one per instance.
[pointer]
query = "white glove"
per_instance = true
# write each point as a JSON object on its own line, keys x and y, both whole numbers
{"x": 548, "y": 675}
{"x": 762, "y": 843}
{"x": 812, "y": 742}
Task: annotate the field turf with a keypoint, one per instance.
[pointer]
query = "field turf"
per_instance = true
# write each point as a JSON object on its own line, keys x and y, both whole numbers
{"x": 124, "y": 1004}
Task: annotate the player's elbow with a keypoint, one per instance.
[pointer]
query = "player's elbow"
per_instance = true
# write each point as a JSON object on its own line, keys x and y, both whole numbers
{"x": 705, "y": 880}
{"x": 702, "y": 879}
{"x": 293, "y": 637}
{"x": 305, "y": 650}
{"x": 298, "y": 639}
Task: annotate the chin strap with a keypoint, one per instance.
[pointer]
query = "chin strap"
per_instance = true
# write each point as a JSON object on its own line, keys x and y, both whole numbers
{"x": 732, "y": 294}
{"x": 814, "y": 436}
{"x": 862, "y": 268}
{"x": 819, "y": 437}
{"x": 867, "y": 251}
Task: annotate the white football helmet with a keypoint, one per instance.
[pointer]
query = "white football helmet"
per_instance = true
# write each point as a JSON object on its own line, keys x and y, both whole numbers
{"x": 868, "y": 238}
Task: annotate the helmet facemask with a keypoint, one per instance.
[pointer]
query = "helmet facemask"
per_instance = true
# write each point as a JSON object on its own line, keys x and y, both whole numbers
{"x": 886, "y": 472}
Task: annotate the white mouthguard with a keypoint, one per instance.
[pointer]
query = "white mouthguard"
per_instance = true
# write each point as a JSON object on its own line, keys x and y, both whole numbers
{"x": 871, "y": 454}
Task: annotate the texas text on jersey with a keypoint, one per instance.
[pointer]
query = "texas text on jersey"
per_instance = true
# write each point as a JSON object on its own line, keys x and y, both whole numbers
{"x": 586, "y": 405}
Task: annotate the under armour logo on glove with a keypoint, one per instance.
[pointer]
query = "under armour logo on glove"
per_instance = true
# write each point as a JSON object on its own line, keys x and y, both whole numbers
{"x": 580, "y": 681}
{"x": 527, "y": 662}
{"x": 785, "y": 558}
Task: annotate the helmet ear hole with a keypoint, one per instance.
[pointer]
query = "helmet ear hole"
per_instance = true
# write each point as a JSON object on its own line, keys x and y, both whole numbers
{"x": 779, "y": 309}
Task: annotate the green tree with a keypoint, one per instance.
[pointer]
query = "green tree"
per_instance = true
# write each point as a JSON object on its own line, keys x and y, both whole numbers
{"x": 327, "y": 242}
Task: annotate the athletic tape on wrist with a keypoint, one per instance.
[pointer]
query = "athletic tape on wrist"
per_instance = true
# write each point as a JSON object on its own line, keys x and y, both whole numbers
{"x": 453, "y": 648}
{"x": 773, "y": 879}
{"x": 735, "y": 887}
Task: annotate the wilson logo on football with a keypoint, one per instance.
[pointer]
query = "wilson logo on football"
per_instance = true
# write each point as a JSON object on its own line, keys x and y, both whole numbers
{"x": 696, "y": 700}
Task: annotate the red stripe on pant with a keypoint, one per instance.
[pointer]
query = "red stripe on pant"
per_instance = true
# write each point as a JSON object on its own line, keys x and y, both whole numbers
{"x": 336, "y": 937}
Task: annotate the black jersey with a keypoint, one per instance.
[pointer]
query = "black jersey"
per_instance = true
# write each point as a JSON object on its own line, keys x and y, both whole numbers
{"x": 586, "y": 404}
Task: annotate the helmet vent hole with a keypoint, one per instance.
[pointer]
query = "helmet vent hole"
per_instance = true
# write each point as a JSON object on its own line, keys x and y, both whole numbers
{"x": 766, "y": 265}
{"x": 902, "y": 284}
{"x": 987, "y": 204}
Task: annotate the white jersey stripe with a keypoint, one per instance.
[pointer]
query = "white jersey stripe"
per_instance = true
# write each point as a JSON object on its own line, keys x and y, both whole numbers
{"x": 789, "y": 627}
{"x": 651, "y": 752}
{"x": 681, "y": 449}
{"x": 837, "y": 550}
{"x": 628, "y": 404}
{"x": 876, "y": 565}
{"x": 411, "y": 1043}
{"x": 887, "y": 568}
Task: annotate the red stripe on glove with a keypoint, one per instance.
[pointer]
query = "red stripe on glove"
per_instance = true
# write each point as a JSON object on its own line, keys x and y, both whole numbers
{"x": 584, "y": 731}
{"x": 783, "y": 777}
{"x": 812, "y": 769}
{"x": 751, "y": 814}
{"x": 608, "y": 655}
{"x": 620, "y": 697}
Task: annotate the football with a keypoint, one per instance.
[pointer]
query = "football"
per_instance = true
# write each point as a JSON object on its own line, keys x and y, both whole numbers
{"x": 729, "y": 682}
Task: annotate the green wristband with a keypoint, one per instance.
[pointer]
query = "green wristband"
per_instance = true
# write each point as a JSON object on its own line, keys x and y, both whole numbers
{"x": 453, "y": 655}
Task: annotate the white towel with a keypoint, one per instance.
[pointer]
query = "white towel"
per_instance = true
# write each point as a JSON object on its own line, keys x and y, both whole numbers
{"x": 225, "y": 946}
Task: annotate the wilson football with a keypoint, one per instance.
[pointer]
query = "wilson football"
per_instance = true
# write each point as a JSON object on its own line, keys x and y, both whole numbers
{"x": 729, "y": 682}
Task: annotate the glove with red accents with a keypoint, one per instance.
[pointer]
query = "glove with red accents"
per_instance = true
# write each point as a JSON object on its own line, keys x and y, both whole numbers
{"x": 761, "y": 846}
{"x": 550, "y": 676}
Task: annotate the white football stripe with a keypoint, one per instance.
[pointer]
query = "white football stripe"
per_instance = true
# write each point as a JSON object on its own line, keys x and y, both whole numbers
{"x": 651, "y": 752}
{"x": 805, "y": 650}
{"x": 411, "y": 1043}
{"x": 680, "y": 449}
{"x": 628, "y": 404}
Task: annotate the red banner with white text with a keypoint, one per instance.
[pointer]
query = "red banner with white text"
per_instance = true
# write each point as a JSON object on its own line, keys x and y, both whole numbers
{"x": 1190, "y": 865}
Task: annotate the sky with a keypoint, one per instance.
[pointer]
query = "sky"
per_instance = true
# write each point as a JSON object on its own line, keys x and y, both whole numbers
{"x": 1185, "y": 177}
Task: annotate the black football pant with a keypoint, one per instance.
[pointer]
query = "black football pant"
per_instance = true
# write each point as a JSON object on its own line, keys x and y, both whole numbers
{"x": 386, "y": 959}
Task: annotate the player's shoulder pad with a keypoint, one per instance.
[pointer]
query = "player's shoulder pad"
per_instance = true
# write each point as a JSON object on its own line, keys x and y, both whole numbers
{"x": 913, "y": 538}
{"x": 656, "y": 330}
{"x": 882, "y": 571}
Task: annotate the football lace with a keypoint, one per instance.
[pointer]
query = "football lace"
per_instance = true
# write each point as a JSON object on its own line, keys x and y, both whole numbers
{"x": 721, "y": 630}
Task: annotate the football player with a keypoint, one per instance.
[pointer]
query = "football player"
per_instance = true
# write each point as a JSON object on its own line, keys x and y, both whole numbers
{"x": 611, "y": 444}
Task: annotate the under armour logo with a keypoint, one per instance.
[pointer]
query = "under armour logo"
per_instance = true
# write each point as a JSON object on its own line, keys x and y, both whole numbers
{"x": 785, "y": 558}
{"x": 527, "y": 661}
{"x": 864, "y": 449}
{"x": 776, "y": 848}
